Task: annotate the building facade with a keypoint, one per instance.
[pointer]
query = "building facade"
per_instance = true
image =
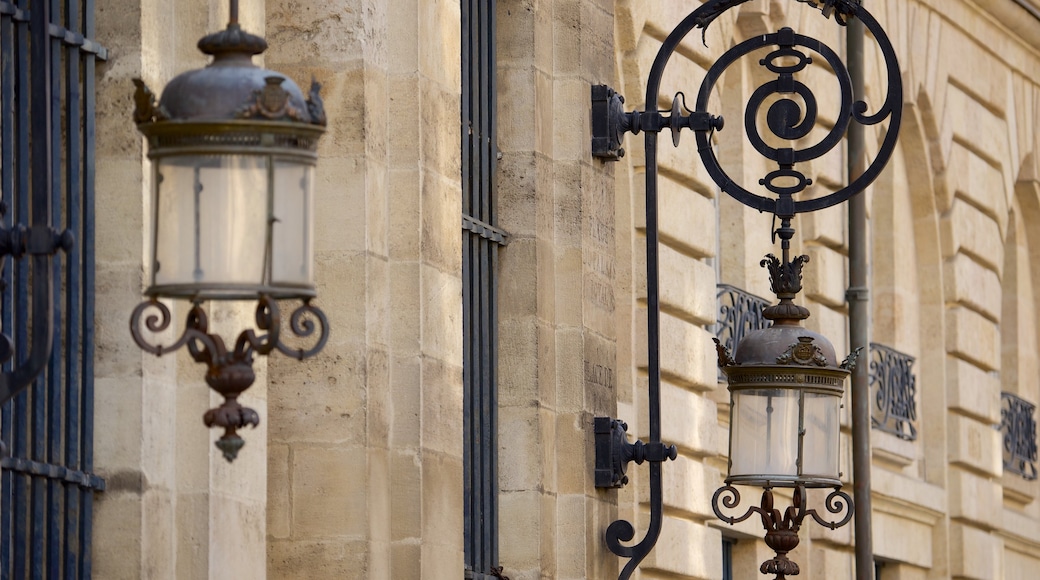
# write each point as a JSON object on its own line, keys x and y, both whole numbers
{"x": 485, "y": 282}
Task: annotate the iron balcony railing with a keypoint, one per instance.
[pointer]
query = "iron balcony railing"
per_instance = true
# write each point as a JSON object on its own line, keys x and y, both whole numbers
{"x": 894, "y": 389}
{"x": 1018, "y": 426}
{"x": 739, "y": 313}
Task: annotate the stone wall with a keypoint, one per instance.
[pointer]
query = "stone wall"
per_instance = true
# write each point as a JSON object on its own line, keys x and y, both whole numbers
{"x": 356, "y": 469}
{"x": 557, "y": 299}
{"x": 365, "y": 470}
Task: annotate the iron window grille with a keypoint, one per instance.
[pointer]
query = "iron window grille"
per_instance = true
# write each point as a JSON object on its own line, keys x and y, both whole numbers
{"x": 1018, "y": 426}
{"x": 481, "y": 240}
{"x": 48, "y": 485}
{"x": 894, "y": 386}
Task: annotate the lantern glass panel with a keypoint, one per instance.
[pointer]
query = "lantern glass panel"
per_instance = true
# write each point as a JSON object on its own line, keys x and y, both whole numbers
{"x": 820, "y": 446}
{"x": 211, "y": 224}
{"x": 764, "y": 433}
{"x": 292, "y": 262}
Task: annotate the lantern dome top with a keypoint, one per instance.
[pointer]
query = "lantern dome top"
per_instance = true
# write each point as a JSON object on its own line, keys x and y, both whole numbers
{"x": 786, "y": 342}
{"x": 231, "y": 88}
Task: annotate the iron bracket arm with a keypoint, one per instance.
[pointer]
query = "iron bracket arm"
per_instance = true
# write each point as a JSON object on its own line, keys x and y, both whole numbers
{"x": 614, "y": 452}
{"x": 610, "y": 122}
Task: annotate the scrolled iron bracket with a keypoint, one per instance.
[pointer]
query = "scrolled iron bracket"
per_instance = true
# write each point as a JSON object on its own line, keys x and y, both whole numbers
{"x": 231, "y": 371}
{"x": 782, "y": 527}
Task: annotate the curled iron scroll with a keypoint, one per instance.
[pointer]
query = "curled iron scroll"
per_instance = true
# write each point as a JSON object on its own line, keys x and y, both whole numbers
{"x": 789, "y": 120}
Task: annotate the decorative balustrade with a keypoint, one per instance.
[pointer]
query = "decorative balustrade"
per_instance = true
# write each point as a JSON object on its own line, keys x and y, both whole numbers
{"x": 739, "y": 313}
{"x": 894, "y": 386}
{"x": 1018, "y": 426}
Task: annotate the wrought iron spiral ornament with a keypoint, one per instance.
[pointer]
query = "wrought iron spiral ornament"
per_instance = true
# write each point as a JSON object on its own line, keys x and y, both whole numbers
{"x": 787, "y": 120}
{"x": 230, "y": 372}
{"x": 195, "y": 327}
{"x": 304, "y": 322}
{"x": 837, "y": 502}
{"x": 730, "y": 497}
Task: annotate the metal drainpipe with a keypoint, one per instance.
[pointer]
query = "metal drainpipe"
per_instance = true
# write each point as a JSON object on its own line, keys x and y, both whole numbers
{"x": 859, "y": 318}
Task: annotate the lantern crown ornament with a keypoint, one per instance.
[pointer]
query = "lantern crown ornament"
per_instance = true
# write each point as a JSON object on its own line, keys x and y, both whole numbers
{"x": 233, "y": 149}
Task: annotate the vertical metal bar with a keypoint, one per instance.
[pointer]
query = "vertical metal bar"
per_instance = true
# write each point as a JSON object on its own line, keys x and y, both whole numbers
{"x": 485, "y": 113}
{"x": 467, "y": 397}
{"x": 42, "y": 185}
{"x": 53, "y": 426}
{"x": 482, "y": 275}
{"x": 859, "y": 317}
{"x": 476, "y": 404}
{"x": 73, "y": 292}
{"x": 7, "y": 188}
{"x": 486, "y": 409}
{"x": 87, "y": 349}
{"x": 491, "y": 102}
{"x": 467, "y": 322}
{"x": 467, "y": 114}
{"x": 491, "y": 446}
{"x": 474, "y": 119}
{"x": 20, "y": 209}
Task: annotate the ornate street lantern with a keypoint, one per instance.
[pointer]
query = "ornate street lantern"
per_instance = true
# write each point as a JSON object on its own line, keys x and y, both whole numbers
{"x": 233, "y": 149}
{"x": 785, "y": 402}
{"x": 785, "y": 381}
{"x": 786, "y": 391}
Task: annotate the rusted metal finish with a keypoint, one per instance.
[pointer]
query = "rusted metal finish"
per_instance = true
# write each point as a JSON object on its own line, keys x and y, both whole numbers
{"x": 782, "y": 528}
{"x": 230, "y": 372}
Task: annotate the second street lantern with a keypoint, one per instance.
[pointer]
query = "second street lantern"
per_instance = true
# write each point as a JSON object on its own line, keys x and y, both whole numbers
{"x": 785, "y": 382}
{"x": 786, "y": 388}
{"x": 233, "y": 149}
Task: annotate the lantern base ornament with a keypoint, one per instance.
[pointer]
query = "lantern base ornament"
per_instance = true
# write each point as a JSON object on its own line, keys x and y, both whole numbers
{"x": 782, "y": 531}
{"x": 230, "y": 373}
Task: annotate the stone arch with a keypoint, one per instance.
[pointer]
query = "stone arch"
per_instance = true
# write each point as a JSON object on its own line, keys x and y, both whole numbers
{"x": 1020, "y": 327}
{"x": 1025, "y": 218}
{"x": 907, "y": 274}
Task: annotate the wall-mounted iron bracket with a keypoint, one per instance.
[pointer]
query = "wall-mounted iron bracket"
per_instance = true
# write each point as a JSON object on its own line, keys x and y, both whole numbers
{"x": 614, "y": 452}
{"x": 610, "y": 122}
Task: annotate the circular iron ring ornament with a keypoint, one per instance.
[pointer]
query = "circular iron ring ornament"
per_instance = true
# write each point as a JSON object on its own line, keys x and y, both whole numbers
{"x": 787, "y": 120}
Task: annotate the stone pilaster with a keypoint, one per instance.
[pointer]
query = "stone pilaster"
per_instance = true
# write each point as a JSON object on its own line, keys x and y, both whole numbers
{"x": 366, "y": 441}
